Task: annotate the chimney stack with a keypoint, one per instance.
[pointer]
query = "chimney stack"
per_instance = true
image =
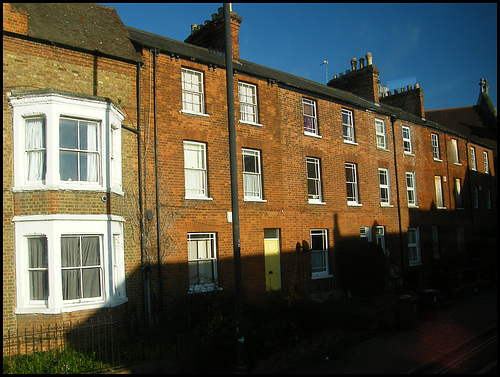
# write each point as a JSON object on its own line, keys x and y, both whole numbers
{"x": 354, "y": 62}
{"x": 361, "y": 63}
{"x": 368, "y": 58}
{"x": 211, "y": 34}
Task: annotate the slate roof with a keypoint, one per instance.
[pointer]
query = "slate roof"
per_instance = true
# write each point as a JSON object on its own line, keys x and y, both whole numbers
{"x": 84, "y": 26}
{"x": 202, "y": 55}
{"x": 470, "y": 121}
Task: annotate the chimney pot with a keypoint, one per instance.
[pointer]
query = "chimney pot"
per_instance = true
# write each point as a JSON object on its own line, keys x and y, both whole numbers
{"x": 369, "y": 58}
{"x": 409, "y": 87}
{"x": 361, "y": 63}
{"x": 416, "y": 86}
{"x": 348, "y": 71}
{"x": 395, "y": 91}
{"x": 214, "y": 16}
{"x": 354, "y": 63}
{"x": 194, "y": 28}
{"x": 207, "y": 22}
{"x": 221, "y": 11}
{"x": 334, "y": 76}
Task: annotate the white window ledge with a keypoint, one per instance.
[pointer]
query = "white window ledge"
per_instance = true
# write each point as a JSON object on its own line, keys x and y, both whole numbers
{"x": 187, "y": 112}
{"x": 255, "y": 200}
{"x": 384, "y": 205}
{"x": 198, "y": 198}
{"x": 409, "y": 154}
{"x": 413, "y": 206}
{"x": 314, "y": 201}
{"x": 457, "y": 163}
{"x": 354, "y": 204}
{"x": 437, "y": 159}
{"x": 313, "y": 135}
{"x": 350, "y": 142}
{"x": 383, "y": 149}
{"x": 321, "y": 276}
{"x": 441, "y": 207}
{"x": 250, "y": 123}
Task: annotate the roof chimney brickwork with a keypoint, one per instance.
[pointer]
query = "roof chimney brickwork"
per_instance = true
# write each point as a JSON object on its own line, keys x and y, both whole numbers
{"x": 211, "y": 34}
{"x": 362, "y": 81}
{"x": 409, "y": 99}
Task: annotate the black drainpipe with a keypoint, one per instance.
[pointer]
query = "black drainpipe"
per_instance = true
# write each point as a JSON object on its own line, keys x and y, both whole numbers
{"x": 393, "y": 121}
{"x": 157, "y": 188}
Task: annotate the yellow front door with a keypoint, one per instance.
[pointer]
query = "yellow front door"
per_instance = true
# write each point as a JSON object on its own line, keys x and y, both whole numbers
{"x": 272, "y": 256}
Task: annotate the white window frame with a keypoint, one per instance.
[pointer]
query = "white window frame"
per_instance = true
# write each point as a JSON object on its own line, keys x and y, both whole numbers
{"x": 255, "y": 176}
{"x": 192, "y": 90}
{"x": 457, "y": 190}
{"x": 365, "y": 233}
{"x": 54, "y": 227}
{"x": 438, "y": 186}
{"x": 435, "y": 242}
{"x": 436, "y": 153}
{"x": 407, "y": 140}
{"x": 352, "y": 200}
{"x": 320, "y": 254}
{"x": 210, "y": 256}
{"x": 475, "y": 196}
{"x": 411, "y": 189}
{"x": 52, "y": 106}
{"x": 380, "y": 236}
{"x": 473, "y": 164}
{"x": 248, "y": 103}
{"x": 384, "y": 187}
{"x": 454, "y": 152}
{"x": 414, "y": 257}
{"x": 486, "y": 163}
{"x": 348, "y": 127}
{"x": 317, "y": 196}
{"x": 313, "y": 130}
{"x": 380, "y": 134}
{"x": 201, "y": 150}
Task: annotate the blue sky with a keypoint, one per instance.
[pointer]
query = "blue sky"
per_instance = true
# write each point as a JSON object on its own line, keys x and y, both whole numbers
{"x": 446, "y": 48}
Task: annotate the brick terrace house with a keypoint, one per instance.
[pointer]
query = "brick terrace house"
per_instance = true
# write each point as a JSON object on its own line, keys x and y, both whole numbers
{"x": 317, "y": 164}
{"x": 70, "y": 248}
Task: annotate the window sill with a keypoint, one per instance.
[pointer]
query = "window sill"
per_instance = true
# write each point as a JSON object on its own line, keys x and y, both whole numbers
{"x": 383, "y": 149}
{"x": 313, "y": 201}
{"x": 71, "y": 307}
{"x": 255, "y": 200}
{"x": 441, "y": 207}
{"x": 198, "y": 198}
{"x": 193, "y": 289}
{"x": 250, "y": 123}
{"x": 321, "y": 276}
{"x": 413, "y": 206}
{"x": 354, "y": 204}
{"x": 70, "y": 186}
{"x": 313, "y": 135}
{"x": 457, "y": 163}
{"x": 437, "y": 159}
{"x": 186, "y": 112}
{"x": 460, "y": 209}
{"x": 412, "y": 264}
{"x": 386, "y": 205}
{"x": 409, "y": 154}
{"x": 350, "y": 142}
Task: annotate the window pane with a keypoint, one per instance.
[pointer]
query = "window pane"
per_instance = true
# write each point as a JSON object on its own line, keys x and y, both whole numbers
{"x": 68, "y": 134}
{"x": 70, "y": 251}
{"x": 71, "y": 284}
{"x": 91, "y": 282}
{"x": 68, "y": 165}
{"x": 37, "y": 265}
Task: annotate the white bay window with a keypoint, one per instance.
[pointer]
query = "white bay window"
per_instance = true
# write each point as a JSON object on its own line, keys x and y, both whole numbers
{"x": 65, "y": 140}
{"x": 66, "y": 263}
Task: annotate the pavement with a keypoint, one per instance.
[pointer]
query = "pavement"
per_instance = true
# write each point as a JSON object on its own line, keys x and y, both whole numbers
{"x": 410, "y": 351}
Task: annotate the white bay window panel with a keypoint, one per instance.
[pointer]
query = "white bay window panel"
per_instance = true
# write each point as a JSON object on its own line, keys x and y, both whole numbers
{"x": 35, "y": 149}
